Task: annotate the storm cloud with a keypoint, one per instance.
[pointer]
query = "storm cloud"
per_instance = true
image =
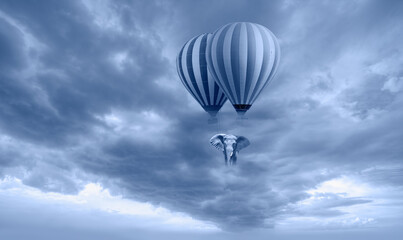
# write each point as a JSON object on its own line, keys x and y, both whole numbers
{"x": 89, "y": 93}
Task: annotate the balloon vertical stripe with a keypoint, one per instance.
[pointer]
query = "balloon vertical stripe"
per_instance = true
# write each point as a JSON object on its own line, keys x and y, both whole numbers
{"x": 243, "y": 57}
{"x": 234, "y": 55}
{"x": 221, "y": 64}
{"x": 182, "y": 75}
{"x": 258, "y": 58}
{"x": 192, "y": 78}
{"x": 203, "y": 68}
{"x": 227, "y": 52}
{"x": 187, "y": 77}
{"x": 243, "y": 62}
{"x": 193, "y": 71}
{"x": 251, "y": 63}
{"x": 212, "y": 46}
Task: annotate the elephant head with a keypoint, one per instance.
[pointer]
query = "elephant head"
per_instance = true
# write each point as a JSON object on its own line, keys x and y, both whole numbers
{"x": 230, "y": 145}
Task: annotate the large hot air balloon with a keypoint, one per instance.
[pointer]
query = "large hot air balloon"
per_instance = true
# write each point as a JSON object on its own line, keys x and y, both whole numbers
{"x": 243, "y": 57}
{"x": 192, "y": 69}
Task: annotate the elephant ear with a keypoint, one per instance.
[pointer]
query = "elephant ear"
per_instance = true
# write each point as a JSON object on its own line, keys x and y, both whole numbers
{"x": 242, "y": 142}
{"x": 218, "y": 141}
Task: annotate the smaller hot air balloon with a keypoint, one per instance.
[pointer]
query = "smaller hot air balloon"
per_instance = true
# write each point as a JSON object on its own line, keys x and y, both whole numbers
{"x": 192, "y": 69}
{"x": 243, "y": 57}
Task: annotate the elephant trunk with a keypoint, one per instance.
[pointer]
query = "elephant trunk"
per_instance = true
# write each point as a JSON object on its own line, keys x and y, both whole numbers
{"x": 230, "y": 155}
{"x": 233, "y": 158}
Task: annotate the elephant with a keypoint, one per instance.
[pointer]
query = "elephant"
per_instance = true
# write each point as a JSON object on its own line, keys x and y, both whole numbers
{"x": 230, "y": 145}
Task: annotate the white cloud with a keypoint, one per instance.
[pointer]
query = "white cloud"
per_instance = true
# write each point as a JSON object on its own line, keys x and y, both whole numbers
{"x": 343, "y": 203}
{"x": 344, "y": 186}
{"x": 393, "y": 84}
{"x": 103, "y": 15}
{"x": 141, "y": 126}
{"x": 30, "y": 41}
{"x": 95, "y": 197}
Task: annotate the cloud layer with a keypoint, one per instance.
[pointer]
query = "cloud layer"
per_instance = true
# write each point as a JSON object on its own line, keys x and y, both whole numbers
{"x": 89, "y": 93}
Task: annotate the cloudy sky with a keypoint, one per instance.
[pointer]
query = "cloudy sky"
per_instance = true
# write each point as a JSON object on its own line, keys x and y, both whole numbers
{"x": 100, "y": 140}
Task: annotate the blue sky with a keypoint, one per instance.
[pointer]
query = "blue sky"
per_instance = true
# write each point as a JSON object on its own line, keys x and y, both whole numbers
{"x": 99, "y": 138}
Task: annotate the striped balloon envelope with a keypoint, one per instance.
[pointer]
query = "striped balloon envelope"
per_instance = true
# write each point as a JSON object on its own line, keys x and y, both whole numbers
{"x": 192, "y": 69}
{"x": 243, "y": 57}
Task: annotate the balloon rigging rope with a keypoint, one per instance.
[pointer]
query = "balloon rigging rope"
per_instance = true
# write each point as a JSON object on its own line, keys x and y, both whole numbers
{"x": 218, "y": 122}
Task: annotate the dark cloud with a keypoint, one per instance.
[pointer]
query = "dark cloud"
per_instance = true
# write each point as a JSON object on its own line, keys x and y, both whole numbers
{"x": 77, "y": 73}
{"x": 89, "y": 92}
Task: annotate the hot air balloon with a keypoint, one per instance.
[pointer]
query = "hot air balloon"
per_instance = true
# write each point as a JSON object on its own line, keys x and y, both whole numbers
{"x": 192, "y": 69}
{"x": 243, "y": 57}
